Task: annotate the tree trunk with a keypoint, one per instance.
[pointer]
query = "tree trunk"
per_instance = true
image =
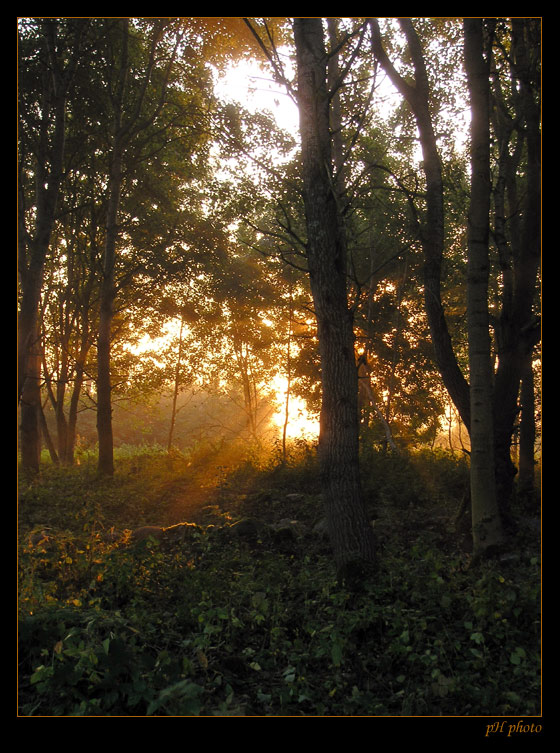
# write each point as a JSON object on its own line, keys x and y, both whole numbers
{"x": 47, "y": 437}
{"x": 486, "y": 523}
{"x": 107, "y": 299}
{"x": 288, "y": 383}
{"x": 176, "y": 388}
{"x": 30, "y": 404}
{"x": 350, "y": 533}
{"x": 518, "y": 328}
{"x": 48, "y": 167}
{"x": 515, "y": 328}
{"x": 527, "y": 434}
{"x": 105, "y": 463}
{"x": 432, "y": 231}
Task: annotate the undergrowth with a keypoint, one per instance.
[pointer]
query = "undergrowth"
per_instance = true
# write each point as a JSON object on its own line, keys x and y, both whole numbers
{"x": 217, "y": 625}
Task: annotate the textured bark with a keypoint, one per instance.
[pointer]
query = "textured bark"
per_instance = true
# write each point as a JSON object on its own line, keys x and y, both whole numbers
{"x": 350, "y": 533}
{"x": 486, "y": 522}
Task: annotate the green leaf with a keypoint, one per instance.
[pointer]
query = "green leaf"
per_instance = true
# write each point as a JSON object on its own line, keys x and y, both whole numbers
{"x": 517, "y": 656}
{"x": 336, "y": 654}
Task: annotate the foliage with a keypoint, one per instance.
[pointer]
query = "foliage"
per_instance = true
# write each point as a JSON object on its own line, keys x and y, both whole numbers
{"x": 212, "y": 244}
{"x": 221, "y": 626}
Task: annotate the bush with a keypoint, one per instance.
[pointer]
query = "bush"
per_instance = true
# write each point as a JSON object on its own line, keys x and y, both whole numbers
{"x": 216, "y": 625}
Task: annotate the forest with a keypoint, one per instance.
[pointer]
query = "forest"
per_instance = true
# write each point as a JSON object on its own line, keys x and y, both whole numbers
{"x": 279, "y": 368}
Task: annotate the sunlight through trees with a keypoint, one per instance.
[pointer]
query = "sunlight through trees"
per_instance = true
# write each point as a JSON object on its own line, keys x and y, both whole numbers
{"x": 199, "y": 225}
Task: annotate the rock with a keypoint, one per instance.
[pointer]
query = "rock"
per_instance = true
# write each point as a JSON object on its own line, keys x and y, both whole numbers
{"x": 320, "y": 529}
{"x": 287, "y": 529}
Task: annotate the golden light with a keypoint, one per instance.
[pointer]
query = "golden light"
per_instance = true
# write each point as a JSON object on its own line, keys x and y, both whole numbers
{"x": 301, "y": 423}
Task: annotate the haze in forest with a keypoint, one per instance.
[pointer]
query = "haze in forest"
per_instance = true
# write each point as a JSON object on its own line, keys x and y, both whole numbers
{"x": 173, "y": 245}
{"x": 279, "y": 367}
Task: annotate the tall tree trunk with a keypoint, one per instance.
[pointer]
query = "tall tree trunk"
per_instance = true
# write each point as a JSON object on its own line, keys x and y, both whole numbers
{"x": 33, "y": 247}
{"x": 176, "y": 388}
{"x": 288, "y": 383}
{"x": 486, "y": 522}
{"x": 518, "y": 328}
{"x": 350, "y": 533}
{"x": 126, "y": 127}
{"x": 515, "y": 328}
{"x": 432, "y": 231}
{"x": 105, "y": 463}
{"x": 30, "y": 403}
{"x": 107, "y": 299}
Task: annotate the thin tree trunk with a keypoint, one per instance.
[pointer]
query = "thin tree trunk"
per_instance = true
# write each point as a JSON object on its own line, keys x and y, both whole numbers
{"x": 364, "y": 383}
{"x": 396, "y": 345}
{"x": 288, "y": 386}
{"x": 486, "y": 522}
{"x": 518, "y": 327}
{"x": 49, "y": 164}
{"x": 350, "y": 533}
{"x": 108, "y": 291}
{"x": 47, "y": 437}
{"x": 176, "y": 388}
{"x": 432, "y": 231}
{"x": 527, "y": 434}
{"x": 107, "y": 299}
{"x": 30, "y": 405}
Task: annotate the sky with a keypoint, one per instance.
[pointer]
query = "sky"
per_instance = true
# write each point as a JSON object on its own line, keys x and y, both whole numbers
{"x": 248, "y": 84}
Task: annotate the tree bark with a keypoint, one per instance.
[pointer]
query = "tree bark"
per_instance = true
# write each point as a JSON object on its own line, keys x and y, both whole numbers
{"x": 432, "y": 230}
{"x": 107, "y": 298}
{"x": 527, "y": 435}
{"x": 350, "y": 533}
{"x": 176, "y": 387}
{"x": 516, "y": 326}
{"x": 518, "y": 329}
{"x": 126, "y": 127}
{"x": 486, "y": 522}
{"x": 34, "y": 246}
{"x": 105, "y": 464}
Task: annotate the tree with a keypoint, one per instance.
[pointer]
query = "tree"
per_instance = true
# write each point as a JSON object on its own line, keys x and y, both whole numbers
{"x": 140, "y": 65}
{"x": 50, "y": 52}
{"x": 417, "y": 95}
{"x": 515, "y": 231}
{"x": 350, "y": 532}
{"x": 486, "y": 523}
{"x": 515, "y": 100}
{"x": 69, "y": 317}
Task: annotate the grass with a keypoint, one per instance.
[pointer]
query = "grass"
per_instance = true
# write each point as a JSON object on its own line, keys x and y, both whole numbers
{"x": 220, "y": 625}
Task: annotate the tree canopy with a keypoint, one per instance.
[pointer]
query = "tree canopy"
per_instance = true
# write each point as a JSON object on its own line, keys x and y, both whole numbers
{"x": 168, "y": 233}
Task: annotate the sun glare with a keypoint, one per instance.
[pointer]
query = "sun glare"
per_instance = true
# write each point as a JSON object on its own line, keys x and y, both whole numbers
{"x": 301, "y": 423}
{"x": 248, "y": 84}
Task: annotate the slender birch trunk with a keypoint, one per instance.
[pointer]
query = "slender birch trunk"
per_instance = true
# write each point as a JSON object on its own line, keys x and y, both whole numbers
{"x": 486, "y": 522}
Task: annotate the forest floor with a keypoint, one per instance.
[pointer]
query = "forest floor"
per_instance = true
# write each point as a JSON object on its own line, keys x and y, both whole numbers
{"x": 250, "y": 621}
